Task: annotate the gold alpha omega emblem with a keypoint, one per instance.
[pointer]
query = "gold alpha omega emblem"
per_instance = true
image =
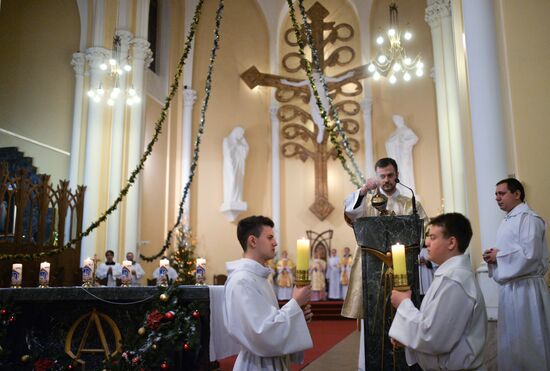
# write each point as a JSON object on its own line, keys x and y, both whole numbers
{"x": 94, "y": 318}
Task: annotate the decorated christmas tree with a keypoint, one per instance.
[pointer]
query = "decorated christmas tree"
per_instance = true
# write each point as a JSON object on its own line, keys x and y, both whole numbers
{"x": 184, "y": 256}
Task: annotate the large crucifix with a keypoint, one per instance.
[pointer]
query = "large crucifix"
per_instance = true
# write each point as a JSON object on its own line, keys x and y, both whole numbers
{"x": 310, "y": 127}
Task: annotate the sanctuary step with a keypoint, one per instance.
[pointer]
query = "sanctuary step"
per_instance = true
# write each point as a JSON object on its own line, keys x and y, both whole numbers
{"x": 325, "y": 310}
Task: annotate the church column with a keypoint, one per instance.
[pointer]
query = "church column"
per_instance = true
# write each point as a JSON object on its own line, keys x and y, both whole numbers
{"x": 141, "y": 53}
{"x": 78, "y": 62}
{"x": 94, "y": 133}
{"x": 117, "y": 142}
{"x": 453, "y": 175}
{"x": 275, "y": 171}
{"x": 366, "y": 105}
{"x": 488, "y": 129}
{"x": 189, "y": 98}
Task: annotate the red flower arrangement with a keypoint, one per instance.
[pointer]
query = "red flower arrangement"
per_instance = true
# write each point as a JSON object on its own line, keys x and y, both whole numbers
{"x": 154, "y": 318}
{"x": 43, "y": 364}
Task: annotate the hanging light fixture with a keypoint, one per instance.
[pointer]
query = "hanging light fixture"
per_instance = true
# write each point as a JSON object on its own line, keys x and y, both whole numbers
{"x": 392, "y": 60}
{"x": 117, "y": 66}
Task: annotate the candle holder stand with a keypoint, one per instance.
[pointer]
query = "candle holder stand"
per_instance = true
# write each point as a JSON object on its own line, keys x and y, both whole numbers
{"x": 400, "y": 282}
{"x": 302, "y": 277}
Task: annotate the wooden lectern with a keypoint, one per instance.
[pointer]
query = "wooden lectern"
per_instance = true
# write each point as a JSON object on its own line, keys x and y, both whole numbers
{"x": 375, "y": 236}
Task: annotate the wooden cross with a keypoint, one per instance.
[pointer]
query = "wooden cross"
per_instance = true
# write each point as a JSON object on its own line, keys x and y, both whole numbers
{"x": 289, "y": 88}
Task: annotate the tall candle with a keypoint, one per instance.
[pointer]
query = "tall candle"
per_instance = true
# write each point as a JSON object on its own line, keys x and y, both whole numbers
{"x": 302, "y": 254}
{"x": 398, "y": 258}
{"x": 126, "y": 274}
{"x": 16, "y": 274}
{"x": 200, "y": 270}
{"x": 44, "y": 274}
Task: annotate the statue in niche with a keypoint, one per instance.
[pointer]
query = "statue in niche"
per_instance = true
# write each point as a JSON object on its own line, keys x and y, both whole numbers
{"x": 399, "y": 146}
{"x": 313, "y": 108}
{"x": 235, "y": 151}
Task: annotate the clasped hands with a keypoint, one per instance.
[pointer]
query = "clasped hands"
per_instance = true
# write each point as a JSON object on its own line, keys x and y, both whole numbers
{"x": 490, "y": 255}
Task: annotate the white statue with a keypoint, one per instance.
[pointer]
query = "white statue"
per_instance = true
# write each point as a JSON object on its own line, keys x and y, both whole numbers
{"x": 399, "y": 146}
{"x": 313, "y": 109}
{"x": 235, "y": 150}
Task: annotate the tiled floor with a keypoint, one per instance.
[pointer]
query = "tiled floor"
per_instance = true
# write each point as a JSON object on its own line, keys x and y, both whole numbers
{"x": 343, "y": 356}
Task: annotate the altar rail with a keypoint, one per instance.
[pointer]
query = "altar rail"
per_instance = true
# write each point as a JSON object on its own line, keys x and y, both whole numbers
{"x": 36, "y": 217}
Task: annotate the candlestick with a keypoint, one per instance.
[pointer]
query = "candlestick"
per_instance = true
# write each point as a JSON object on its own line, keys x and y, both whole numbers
{"x": 44, "y": 275}
{"x": 302, "y": 262}
{"x": 87, "y": 273}
{"x": 400, "y": 281}
{"x": 200, "y": 271}
{"x": 16, "y": 275}
{"x": 126, "y": 273}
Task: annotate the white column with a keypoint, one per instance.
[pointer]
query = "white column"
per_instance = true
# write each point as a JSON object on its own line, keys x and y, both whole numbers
{"x": 189, "y": 98}
{"x": 366, "y": 106}
{"x": 78, "y": 62}
{"x": 141, "y": 52}
{"x": 451, "y": 147}
{"x": 275, "y": 171}
{"x": 486, "y": 109}
{"x": 117, "y": 142}
{"x": 94, "y": 137}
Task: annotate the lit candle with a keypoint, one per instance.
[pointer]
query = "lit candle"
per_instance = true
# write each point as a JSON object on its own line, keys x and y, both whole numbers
{"x": 16, "y": 274}
{"x": 200, "y": 270}
{"x": 398, "y": 258}
{"x": 163, "y": 271}
{"x": 87, "y": 270}
{"x": 302, "y": 254}
{"x": 126, "y": 273}
{"x": 44, "y": 274}
{"x": 164, "y": 263}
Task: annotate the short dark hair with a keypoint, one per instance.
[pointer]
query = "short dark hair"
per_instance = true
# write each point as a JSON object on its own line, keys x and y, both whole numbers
{"x": 110, "y": 251}
{"x": 386, "y": 161}
{"x": 455, "y": 225}
{"x": 252, "y": 225}
{"x": 514, "y": 185}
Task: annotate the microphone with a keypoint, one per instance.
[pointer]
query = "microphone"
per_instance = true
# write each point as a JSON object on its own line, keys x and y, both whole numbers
{"x": 415, "y": 212}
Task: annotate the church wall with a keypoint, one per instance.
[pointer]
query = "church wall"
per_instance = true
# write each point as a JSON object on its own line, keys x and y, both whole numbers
{"x": 243, "y": 42}
{"x": 37, "y": 80}
{"x": 414, "y": 100}
{"x": 525, "y": 55}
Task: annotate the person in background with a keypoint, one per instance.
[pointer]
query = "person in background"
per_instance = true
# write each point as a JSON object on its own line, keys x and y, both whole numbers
{"x": 109, "y": 270}
{"x": 137, "y": 270}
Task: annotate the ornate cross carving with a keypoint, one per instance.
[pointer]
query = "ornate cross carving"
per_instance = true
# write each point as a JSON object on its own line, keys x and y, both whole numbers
{"x": 305, "y": 140}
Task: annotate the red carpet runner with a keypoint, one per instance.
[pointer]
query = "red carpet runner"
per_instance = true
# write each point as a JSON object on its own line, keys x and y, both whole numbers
{"x": 325, "y": 333}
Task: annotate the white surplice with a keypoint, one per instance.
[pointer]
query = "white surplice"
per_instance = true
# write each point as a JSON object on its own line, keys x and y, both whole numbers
{"x": 449, "y": 330}
{"x": 524, "y": 302}
{"x": 333, "y": 276}
{"x": 102, "y": 272}
{"x": 270, "y": 337}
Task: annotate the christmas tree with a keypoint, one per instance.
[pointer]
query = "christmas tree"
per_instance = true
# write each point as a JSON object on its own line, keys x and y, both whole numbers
{"x": 184, "y": 256}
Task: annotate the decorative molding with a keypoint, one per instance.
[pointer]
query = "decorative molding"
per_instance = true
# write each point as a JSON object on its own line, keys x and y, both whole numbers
{"x": 125, "y": 38}
{"x": 78, "y": 61}
{"x": 436, "y": 10}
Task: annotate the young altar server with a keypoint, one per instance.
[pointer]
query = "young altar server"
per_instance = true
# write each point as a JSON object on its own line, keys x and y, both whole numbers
{"x": 449, "y": 330}
{"x": 270, "y": 337}
{"x": 109, "y": 270}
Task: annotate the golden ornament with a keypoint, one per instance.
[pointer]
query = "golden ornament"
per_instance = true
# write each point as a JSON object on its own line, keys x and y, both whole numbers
{"x": 154, "y": 346}
{"x": 25, "y": 358}
{"x": 163, "y": 297}
{"x": 141, "y": 331}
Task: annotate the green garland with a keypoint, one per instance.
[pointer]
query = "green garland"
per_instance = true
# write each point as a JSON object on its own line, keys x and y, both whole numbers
{"x": 197, "y": 143}
{"x": 139, "y": 167}
{"x": 356, "y": 178}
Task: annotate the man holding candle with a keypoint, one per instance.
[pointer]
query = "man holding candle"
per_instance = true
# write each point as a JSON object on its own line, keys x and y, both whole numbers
{"x": 109, "y": 270}
{"x": 518, "y": 264}
{"x": 448, "y": 331}
{"x": 270, "y": 337}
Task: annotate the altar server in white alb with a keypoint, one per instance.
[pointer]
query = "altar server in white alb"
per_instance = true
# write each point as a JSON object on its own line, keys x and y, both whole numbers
{"x": 109, "y": 269}
{"x": 137, "y": 270}
{"x": 518, "y": 263}
{"x": 448, "y": 331}
{"x": 333, "y": 276}
{"x": 270, "y": 338}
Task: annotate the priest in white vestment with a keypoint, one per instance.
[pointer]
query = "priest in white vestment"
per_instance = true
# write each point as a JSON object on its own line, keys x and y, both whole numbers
{"x": 518, "y": 264}
{"x": 448, "y": 332}
{"x": 270, "y": 337}
{"x": 357, "y": 205}
{"x": 110, "y": 269}
{"x": 333, "y": 276}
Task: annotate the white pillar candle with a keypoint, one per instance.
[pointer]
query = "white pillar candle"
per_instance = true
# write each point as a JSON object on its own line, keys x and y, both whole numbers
{"x": 44, "y": 274}
{"x": 87, "y": 270}
{"x": 126, "y": 275}
{"x": 16, "y": 274}
{"x": 200, "y": 270}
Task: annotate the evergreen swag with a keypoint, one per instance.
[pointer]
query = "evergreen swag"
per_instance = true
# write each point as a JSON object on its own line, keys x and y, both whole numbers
{"x": 183, "y": 258}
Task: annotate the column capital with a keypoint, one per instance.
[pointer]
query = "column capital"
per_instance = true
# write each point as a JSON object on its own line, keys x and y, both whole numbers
{"x": 141, "y": 50}
{"x": 189, "y": 97}
{"x": 78, "y": 61}
{"x": 125, "y": 38}
{"x": 437, "y": 10}
{"x": 96, "y": 55}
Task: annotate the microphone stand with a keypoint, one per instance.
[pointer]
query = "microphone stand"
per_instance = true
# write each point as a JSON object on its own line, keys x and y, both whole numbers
{"x": 415, "y": 211}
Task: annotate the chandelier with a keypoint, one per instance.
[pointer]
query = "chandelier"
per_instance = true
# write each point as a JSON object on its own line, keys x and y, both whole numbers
{"x": 391, "y": 58}
{"x": 117, "y": 66}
